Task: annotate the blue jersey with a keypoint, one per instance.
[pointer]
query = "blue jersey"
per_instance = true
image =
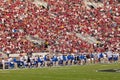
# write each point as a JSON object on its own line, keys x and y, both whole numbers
{"x": 64, "y": 58}
{"x": 81, "y": 56}
{"x": 91, "y": 56}
{"x": 45, "y": 58}
{"x": 115, "y": 57}
{"x": 15, "y": 60}
{"x": 69, "y": 57}
{"x": 54, "y": 58}
{"x": 39, "y": 60}
{"x": 72, "y": 57}
{"x": 101, "y": 55}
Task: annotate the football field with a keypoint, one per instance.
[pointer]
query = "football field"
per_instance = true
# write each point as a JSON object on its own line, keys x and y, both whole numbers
{"x": 77, "y": 72}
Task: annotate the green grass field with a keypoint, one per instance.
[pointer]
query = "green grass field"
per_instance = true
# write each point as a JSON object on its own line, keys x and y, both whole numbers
{"x": 86, "y": 72}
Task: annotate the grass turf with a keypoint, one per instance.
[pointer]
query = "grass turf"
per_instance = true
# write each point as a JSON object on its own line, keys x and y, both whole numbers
{"x": 86, "y": 72}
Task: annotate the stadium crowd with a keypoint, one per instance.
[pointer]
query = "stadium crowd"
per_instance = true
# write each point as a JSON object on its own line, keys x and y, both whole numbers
{"x": 58, "y": 24}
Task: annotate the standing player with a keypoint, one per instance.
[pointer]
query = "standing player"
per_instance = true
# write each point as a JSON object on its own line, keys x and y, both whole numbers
{"x": 3, "y": 63}
{"x": 110, "y": 56}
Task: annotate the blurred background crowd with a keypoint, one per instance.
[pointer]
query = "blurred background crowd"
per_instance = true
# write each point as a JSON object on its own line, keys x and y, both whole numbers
{"x": 59, "y": 26}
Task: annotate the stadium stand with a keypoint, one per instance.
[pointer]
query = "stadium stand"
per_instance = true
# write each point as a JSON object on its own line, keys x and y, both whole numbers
{"x": 58, "y": 23}
{"x": 66, "y": 27}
